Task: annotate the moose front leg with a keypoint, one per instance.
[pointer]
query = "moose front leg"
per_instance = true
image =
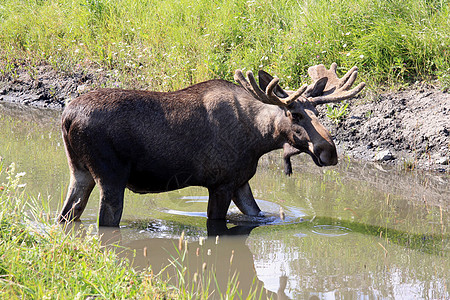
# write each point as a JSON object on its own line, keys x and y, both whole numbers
{"x": 112, "y": 177}
{"x": 111, "y": 205}
{"x": 219, "y": 201}
{"x": 244, "y": 200}
{"x": 289, "y": 151}
{"x": 112, "y": 185}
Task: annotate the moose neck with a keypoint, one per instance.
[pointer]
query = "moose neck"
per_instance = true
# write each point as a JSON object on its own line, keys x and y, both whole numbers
{"x": 272, "y": 124}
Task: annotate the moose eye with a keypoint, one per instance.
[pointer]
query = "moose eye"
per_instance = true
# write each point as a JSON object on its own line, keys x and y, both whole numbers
{"x": 297, "y": 117}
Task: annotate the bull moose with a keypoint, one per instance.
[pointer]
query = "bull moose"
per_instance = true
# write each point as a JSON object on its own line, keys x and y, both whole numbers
{"x": 211, "y": 134}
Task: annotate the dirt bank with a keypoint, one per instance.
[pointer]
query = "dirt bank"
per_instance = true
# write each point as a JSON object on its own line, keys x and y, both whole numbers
{"x": 409, "y": 128}
{"x": 44, "y": 87}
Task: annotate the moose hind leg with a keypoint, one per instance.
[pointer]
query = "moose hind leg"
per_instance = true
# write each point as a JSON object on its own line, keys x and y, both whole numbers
{"x": 244, "y": 200}
{"x": 80, "y": 187}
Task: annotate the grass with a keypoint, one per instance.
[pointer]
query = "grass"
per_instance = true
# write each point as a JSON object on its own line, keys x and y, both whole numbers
{"x": 40, "y": 260}
{"x": 337, "y": 112}
{"x": 167, "y": 45}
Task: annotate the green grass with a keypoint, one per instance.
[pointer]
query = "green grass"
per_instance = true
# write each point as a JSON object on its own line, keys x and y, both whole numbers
{"x": 166, "y": 45}
{"x": 39, "y": 259}
{"x": 337, "y": 112}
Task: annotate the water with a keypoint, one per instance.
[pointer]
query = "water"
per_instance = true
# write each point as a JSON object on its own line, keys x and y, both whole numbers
{"x": 357, "y": 230}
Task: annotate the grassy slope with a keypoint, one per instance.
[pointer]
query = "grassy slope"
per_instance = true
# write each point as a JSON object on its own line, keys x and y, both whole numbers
{"x": 166, "y": 45}
{"x": 40, "y": 260}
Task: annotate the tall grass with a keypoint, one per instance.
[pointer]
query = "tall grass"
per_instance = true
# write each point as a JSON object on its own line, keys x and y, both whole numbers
{"x": 199, "y": 278}
{"x": 41, "y": 260}
{"x": 171, "y": 44}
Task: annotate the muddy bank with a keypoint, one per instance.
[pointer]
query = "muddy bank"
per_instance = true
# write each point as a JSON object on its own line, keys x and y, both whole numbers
{"x": 409, "y": 128}
{"x": 44, "y": 87}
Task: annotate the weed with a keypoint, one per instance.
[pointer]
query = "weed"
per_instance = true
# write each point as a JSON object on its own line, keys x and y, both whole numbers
{"x": 40, "y": 260}
{"x": 198, "y": 279}
{"x": 171, "y": 44}
{"x": 369, "y": 114}
{"x": 409, "y": 165}
{"x": 337, "y": 112}
{"x": 444, "y": 78}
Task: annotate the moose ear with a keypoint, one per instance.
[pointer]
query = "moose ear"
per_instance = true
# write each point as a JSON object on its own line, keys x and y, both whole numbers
{"x": 317, "y": 88}
{"x": 264, "y": 80}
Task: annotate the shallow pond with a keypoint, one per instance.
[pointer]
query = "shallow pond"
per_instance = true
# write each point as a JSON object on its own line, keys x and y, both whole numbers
{"x": 357, "y": 230}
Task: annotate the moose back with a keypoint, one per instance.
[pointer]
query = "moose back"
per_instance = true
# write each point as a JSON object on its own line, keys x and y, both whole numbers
{"x": 211, "y": 134}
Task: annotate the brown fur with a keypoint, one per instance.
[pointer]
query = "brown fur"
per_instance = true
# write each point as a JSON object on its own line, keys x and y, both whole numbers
{"x": 211, "y": 134}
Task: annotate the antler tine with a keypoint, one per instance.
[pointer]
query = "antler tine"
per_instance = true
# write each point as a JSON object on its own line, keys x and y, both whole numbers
{"x": 239, "y": 78}
{"x": 261, "y": 95}
{"x": 345, "y": 79}
{"x": 297, "y": 94}
{"x": 271, "y": 86}
{"x": 333, "y": 67}
{"x": 347, "y": 83}
{"x": 339, "y": 96}
{"x": 282, "y": 101}
{"x": 271, "y": 97}
{"x": 251, "y": 87}
{"x": 268, "y": 96}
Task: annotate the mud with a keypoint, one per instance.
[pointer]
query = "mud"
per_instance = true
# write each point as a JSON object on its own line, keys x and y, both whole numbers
{"x": 409, "y": 128}
{"x": 42, "y": 86}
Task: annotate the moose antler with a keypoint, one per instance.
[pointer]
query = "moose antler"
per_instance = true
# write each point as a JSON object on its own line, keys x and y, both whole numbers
{"x": 326, "y": 87}
{"x": 268, "y": 96}
{"x": 336, "y": 89}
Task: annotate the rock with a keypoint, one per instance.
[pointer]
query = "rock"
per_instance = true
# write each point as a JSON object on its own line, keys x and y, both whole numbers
{"x": 81, "y": 89}
{"x": 384, "y": 155}
{"x": 442, "y": 160}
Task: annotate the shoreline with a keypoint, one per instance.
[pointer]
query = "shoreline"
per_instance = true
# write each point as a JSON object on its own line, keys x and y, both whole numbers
{"x": 409, "y": 128}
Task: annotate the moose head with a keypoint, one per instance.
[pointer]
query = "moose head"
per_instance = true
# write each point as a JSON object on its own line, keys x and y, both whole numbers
{"x": 305, "y": 132}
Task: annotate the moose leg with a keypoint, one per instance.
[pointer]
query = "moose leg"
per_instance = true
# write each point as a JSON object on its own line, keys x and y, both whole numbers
{"x": 80, "y": 187}
{"x": 111, "y": 178}
{"x": 288, "y": 151}
{"x": 219, "y": 201}
{"x": 111, "y": 204}
{"x": 244, "y": 200}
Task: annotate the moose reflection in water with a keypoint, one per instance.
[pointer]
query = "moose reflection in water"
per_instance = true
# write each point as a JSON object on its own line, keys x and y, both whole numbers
{"x": 211, "y": 134}
{"x": 219, "y": 256}
{"x": 289, "y": 261}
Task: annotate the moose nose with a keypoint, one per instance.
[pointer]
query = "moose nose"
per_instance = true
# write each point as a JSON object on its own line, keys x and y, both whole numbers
{"x": 326, "y": 155}
{"x": 328, "y": 158}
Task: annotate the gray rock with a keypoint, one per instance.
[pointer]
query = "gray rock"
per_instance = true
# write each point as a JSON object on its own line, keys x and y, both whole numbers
{"x": 384, "y": 155}
{"x": 442, "y": 160}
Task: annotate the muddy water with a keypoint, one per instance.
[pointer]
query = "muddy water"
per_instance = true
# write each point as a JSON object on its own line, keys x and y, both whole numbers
{"x": 357, "y": 230}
